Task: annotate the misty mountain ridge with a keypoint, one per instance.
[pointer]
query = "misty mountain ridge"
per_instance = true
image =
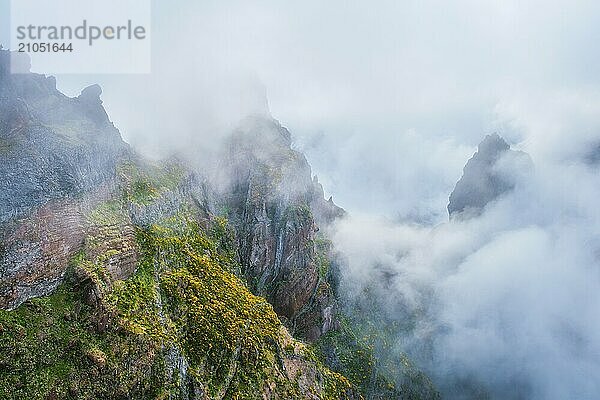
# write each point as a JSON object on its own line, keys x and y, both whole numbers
{"x": 228, "y": 274}
{"x": 122, "y": 277}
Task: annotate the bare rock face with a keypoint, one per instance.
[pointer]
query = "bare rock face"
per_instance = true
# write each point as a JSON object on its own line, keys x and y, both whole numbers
{"x": 51, "y": 146}
{"x": 485, "y": 177}
{"x": 37, "y": 250}
{"x": 275, "y": 204}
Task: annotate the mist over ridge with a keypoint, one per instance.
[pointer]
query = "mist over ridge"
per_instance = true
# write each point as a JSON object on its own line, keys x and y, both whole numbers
{"x": 462, "y": 140}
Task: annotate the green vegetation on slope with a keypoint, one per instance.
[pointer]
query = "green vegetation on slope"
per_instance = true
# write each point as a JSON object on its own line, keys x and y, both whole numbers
{"x": 50, "y": 348}
{"x": 231, "y": 338}
{"x": 357, "y": 350}
{"x": 182, "y": 324}
{"x": 141, "y": 184}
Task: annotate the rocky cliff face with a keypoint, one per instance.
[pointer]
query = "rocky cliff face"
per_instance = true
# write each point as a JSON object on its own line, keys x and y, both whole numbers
{"x": 276, "y": 207}
{"x": 36, "y": 249}
{"x": 57, "y": 158}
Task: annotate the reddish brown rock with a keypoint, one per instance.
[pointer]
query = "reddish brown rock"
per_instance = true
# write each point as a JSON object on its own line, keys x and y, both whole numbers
{"x": 37, "y": 252}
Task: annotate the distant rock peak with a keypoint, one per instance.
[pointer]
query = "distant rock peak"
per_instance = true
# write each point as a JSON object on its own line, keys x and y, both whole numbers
{"x": 482, "y": 182}
{"x": 492, "y": 146}
{"x": 52, "y": 146}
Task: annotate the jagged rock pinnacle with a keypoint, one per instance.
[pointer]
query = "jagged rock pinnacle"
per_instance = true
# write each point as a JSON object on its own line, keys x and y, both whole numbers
{"x": 481, "y": 182}
{"x": 91, "y": 94}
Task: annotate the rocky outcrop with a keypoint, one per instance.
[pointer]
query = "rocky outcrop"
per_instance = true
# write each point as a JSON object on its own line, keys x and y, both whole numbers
{"x": 37, "y": 249}
{"x": 51, "y": 146}
{"x": 112, "y": 244}
{"x": 274, "y": 205}
{"x": 324, "y": 211}
{"x": 487, "y": 175}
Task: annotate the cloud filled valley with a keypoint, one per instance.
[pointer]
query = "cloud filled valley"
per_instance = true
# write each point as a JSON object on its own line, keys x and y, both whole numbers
{"x": 506, "y": 300}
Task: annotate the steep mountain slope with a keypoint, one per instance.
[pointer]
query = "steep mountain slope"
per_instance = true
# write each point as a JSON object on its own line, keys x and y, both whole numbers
{"x": 58, "y": 156}
{"x": 280, "y": 218}
{"x": 276, "y": 208}
{"x": 51, "y": 145}
{"x": 179, "y": 324}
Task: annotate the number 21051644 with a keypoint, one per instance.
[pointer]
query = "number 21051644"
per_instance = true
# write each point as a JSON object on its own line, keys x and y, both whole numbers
{"x": 45, "y": 47}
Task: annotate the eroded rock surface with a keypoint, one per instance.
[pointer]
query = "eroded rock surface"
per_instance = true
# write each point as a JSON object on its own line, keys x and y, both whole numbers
{"x": 37, "y": 249}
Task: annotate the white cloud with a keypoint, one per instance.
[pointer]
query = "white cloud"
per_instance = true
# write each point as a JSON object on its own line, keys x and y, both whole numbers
{"x": 516, "y": 290}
